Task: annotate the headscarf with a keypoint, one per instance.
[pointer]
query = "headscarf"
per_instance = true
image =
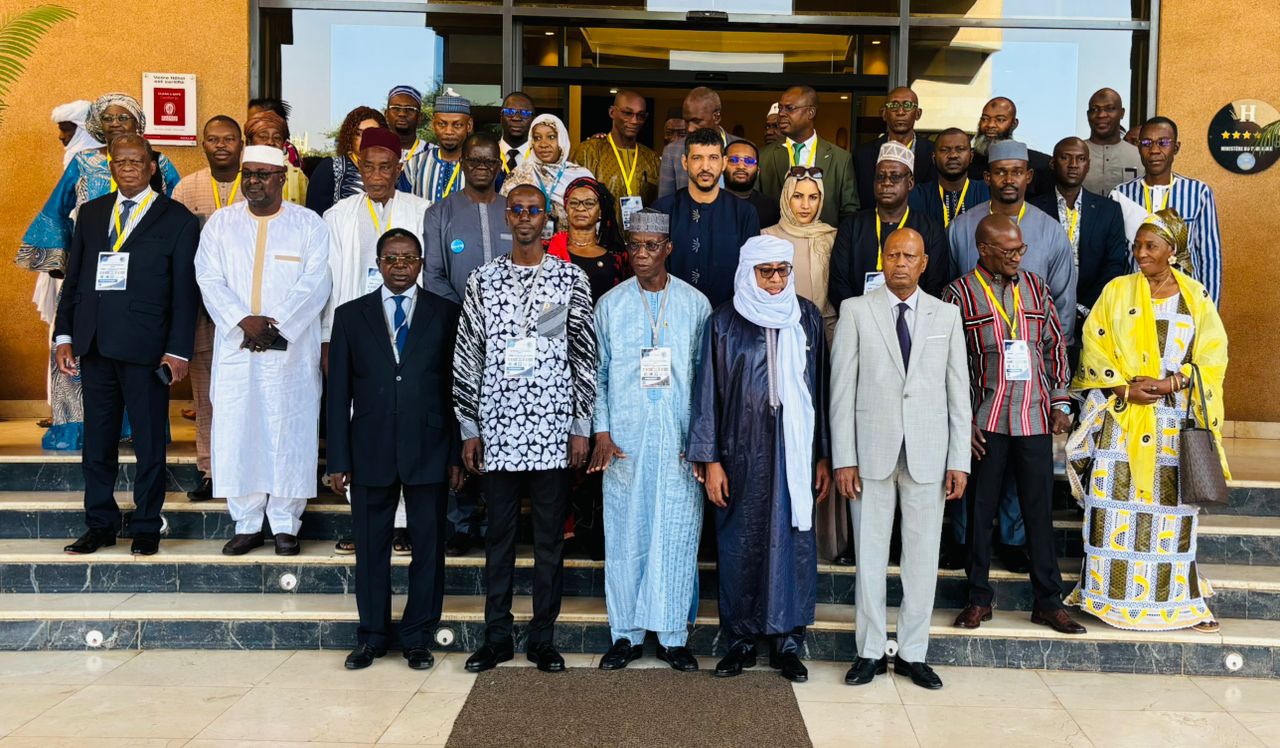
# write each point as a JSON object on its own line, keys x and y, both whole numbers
{"x": 264, "y": 120}
{"x": 1170, "y": 227}
{"x": 75, "y": 112}
{"x": 550, "y": 178}
{"x": 781, "y": 312}
{"x": 93, "y": 122}
{"x": 820, "y": 239}
{"x": 608, "y": 234}
{"x": 816, "y": 231}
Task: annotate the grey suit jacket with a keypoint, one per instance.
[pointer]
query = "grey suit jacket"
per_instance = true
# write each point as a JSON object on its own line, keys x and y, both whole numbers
{"x": 671, "y": 176}
{"x": 877, "y": 405}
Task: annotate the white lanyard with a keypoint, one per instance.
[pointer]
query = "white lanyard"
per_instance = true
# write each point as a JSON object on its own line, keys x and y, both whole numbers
{"x": 655, "y": 324}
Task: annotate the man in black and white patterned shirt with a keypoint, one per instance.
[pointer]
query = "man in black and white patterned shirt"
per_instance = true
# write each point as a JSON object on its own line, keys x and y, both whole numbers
{"x": 524, "y": 391}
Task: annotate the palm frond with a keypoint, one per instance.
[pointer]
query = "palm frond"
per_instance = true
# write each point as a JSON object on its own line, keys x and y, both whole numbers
{"x": 20, "y": 34}
{"x": 1269, "y": 135}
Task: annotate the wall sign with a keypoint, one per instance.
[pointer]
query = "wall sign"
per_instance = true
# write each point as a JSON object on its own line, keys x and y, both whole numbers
{"x": 169, "y": 100}
{"x": 1244, "y": 136}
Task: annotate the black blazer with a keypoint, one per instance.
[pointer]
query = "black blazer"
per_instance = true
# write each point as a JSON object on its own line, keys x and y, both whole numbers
{"x": 864, "y": 166}
{"x": 1104, "y": 250}
{"x": 156, "y": 313}
{"x": 855, "y": 253}
{"x": 388, "y": 420}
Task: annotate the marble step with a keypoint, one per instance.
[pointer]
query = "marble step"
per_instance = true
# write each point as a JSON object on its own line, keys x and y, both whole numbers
{"x": 249, "y": 621}
{"x": 198, "y": 566}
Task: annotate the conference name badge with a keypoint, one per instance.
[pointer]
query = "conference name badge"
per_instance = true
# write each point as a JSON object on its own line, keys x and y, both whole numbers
{"x": 113, "y": 271}
{"x": 630, "y": 204}
{"x": 872, "y": 282}
{"x": 521, "y": 358}
{"x": 1017, "y": 361}
{"x": 372, "y": 280}
{"x": 655, "y": 368}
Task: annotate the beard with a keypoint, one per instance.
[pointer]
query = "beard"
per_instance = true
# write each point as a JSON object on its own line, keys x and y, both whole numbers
{"x": 981, "y": 142}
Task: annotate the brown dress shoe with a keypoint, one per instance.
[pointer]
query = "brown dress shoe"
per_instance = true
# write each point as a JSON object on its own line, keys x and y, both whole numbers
{"x": 1058, "y": 620}
{"x": 972, "y": 617}
{"x": 287, "y": 545}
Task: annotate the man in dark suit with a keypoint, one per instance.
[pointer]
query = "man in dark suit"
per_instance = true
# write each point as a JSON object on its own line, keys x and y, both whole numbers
{"x": 900, "y": 112}
{"x": 1094, "y": 226}
{"x": 999, "y": 121}
{"x": 128, "y": 306}
{"x": 797, "y": 111}
{"x": 392, "y": 428}
{"x": 701, "y": 110}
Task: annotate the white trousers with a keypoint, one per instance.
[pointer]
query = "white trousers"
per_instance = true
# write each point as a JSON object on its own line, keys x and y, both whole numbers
{"x": 284, "y": 514}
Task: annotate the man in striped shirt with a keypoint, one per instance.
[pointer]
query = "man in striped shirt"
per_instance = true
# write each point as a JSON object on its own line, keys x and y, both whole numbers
{"x": 1163, "y": 188}
{"x": 1018, "y": 379}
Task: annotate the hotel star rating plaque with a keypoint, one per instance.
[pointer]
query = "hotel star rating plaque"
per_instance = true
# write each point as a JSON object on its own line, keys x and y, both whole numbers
{"x": 1244, "y": 136}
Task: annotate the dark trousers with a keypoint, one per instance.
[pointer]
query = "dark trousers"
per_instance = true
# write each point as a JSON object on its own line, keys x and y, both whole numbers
{"x": 109, "y": 387}
{"x": 549, "y": 494}
{"x": 373, "y": 513}
{"x": 1030, "y": 460}
{"x": 788, "y": 642}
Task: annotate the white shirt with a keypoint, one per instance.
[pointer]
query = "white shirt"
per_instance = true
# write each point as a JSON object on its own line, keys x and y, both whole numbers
{"x": 911, "y": 301}
{"x": 506, "y": 147}
{"x": 806, "y": 155}
{"x": 389, "y": 311}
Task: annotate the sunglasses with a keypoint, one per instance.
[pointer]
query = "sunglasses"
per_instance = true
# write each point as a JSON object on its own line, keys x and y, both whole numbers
{"x": 906, "y": 106}
{"x": 805, "y": 172}
{"x": 780, "y": 271}
{"x": 262, "y": 176}
{"x": 533, "y": 211}
{"x": 744, "y": 160}
{"x": 1162, "y": 142}
{"x": 394, "y": 260}
{"x": 890, "y": 178}
{"x": 508, "y": 111}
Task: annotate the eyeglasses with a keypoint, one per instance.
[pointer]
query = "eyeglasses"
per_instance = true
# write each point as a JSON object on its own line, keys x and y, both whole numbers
{"x": 584, "y": 204}
{"x": 483, "y": 163}
{"x": 890, "y": 178}
{"x": 261, "y": 176}
{"x": 646, "y": 247}
{"x": 533, "y": 211}
{"x": 780, "y": 271}
{"x": 744, "y": 160}
{"x": 403, "y": 109}
{"x": 805, "y": 172}
{"x": 510, "y": 111}
{"x": 394, "y": 260}
{"x": 905, "y": 106}
{"x": 792, "y": 108}
{"x": 1102, "y": 110}
{"x": 629, "y": 114}
{"x": 111, "y": 119}
{"x": 1162, "y": 142}
{"x": 1012, "y": 254}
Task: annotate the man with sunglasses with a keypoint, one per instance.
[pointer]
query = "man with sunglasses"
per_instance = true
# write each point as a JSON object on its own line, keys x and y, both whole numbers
{"x": 741, "y": 173}
{"x": 797, "y": 110}
{"x": 628, "y": 168}
{"x": 515, "y": 117}
{"x": 524, "y": 387}
{"x": 391, "y": 362}
{"x": 900, "y": 112}
{"x": 1161, "y": 188}
{"x": 404, "y": 116}
{"x": 701, "y": 110}
{"x": 263, "y": 269}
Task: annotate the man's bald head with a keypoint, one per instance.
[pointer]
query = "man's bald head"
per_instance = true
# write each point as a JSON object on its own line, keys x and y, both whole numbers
{"x": 904, "y": 261}
{"x": 701, "y": 108}
{"x": 999, "y": 118}
{"x": 797, "y": 109}
{"x": 1000, "y": 246}
{"x": 629, "y": 112}
{"x": 903, "y": 92}
{"x": 1106, "y": 115}
{"x": 993, "y": 227}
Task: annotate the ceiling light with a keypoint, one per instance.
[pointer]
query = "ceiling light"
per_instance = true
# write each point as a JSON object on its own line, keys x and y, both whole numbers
{"x": 552, "y": 33}
{"x": 875, "y": 41}
{"x": 844, "y": 98}
{"x": 613, "y": 90}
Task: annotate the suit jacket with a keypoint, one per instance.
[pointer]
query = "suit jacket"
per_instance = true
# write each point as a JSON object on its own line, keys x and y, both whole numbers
{"x": 864, "y": 165}
{"x": 389, "y": 420}
{"x": 1103, "y": 248}
{"x": 878, "y": 405}
{"x": 156, "y": 313}
{"x": 671, "y": 176}
{"x": 839, "y": 185}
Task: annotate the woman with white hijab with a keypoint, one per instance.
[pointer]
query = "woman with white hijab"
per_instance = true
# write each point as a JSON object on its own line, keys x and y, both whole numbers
{"x": 758, "y": 438}
{"x": 549, "y": 168}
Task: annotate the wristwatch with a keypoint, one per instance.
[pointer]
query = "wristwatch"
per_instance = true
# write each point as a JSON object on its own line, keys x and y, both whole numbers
{"x": 1064, "y": 407}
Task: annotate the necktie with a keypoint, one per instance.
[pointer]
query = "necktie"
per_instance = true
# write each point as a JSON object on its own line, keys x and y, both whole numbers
{"x": 511, "y": 158}
{"x": 904, "y": 335}
{"x": 400, "y": 322}
{"x": 126, "y": 208}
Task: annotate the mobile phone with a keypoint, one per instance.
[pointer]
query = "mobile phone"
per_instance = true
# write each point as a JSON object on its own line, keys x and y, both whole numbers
{"x": 165, "y": 374}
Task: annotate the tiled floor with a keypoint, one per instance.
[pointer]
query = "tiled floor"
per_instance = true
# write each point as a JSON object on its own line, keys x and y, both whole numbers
{"x": 206, "y": 699}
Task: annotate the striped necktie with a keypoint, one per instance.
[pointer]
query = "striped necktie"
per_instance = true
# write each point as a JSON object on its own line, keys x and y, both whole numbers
{"x": 400, "y": 322}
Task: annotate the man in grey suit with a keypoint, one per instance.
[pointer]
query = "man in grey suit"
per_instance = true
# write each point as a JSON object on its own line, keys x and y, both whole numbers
{"x": 701, "y": 109}
{"x": 898, "y": 437}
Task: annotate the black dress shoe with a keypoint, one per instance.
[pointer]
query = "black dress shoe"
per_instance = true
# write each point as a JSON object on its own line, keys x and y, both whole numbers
{"x": 846, "y": 558}
{"x": 91, "y": 541}
{"x": 1014, "y": 558}
{"x": 203, "y": 492}
{"x": 679, "y": 658}
{"x": 546, "y": 657}
{"x": 865, "y": 669}
{"x": 953, "y": 556}
{"x": 921, "y": 674}
{"x": 621, "y": 654}
{"x": 145, "y": 543}
{"x": 242, "y": 544}
{"x": 362, "y": 657}
{"x": 488, "y": 656}
{"x": 287, "y": 545}
{"x": 790, "y": 665}
{"x": 420, "y": 658}
{"x": 738, "y": 659}
{"x": 458, "y": 545}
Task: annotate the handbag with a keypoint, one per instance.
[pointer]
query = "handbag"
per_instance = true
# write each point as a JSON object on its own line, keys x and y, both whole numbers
{"x": 1200, "y": 476}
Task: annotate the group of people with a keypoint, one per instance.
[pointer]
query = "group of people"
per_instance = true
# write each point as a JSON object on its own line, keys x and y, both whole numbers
{"x": 494, "y": 318}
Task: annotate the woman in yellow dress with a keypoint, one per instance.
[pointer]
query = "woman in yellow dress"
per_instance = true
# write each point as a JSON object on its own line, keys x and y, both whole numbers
{"x": 1140, "y": 341}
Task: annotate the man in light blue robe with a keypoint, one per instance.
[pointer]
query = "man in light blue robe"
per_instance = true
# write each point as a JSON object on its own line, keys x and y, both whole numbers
{"x": 650, "y": 333}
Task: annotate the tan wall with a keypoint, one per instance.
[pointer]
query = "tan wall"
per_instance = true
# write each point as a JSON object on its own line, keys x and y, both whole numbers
{"x": 1201, "y": 70}
{"x": 105, "y": 48}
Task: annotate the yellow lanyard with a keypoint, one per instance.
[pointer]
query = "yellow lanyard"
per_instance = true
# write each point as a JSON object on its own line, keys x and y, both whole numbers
{"x": 1146, "y": 196}
{"x": 946, "y": 214}
{"x": 1073, "y": 223}
{"x": 627, "y": 177}
{"x": 998, "y": 306}
{"x": 133, "y": 219}
{"x": 377, "y": 225}
{"x": 457, "y": 167}
{"x": 1021, "y": 212}
{"x": 880, "y": 243}
{"x": 412, "y": 150}
{"x": 795, "y": 146}
{"x": 217, "y": 196}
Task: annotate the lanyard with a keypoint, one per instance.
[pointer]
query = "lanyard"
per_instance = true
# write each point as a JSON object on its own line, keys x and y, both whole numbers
{"x": 377, "y": 225}
{"x": 1073, "y": 223}
{"x": 1021, "y": 212}
{"x": 217, "y": 197}
{"x": 529, "y": 294}
{"x": 133, "y": 220}
{"x": 998, "y": 306}
{"x": 412, "y": 150}
{"x": 946, "y": 214}
{"x": 457, "y": 167}
{"x": 655, "y": 324}
{"x": 880, "y": 243}
{"x": 1146, "y": 196}
{"x": 546, "y": 194}
{"x": 812, "y": 152}
{"x": 627, "y": 177}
